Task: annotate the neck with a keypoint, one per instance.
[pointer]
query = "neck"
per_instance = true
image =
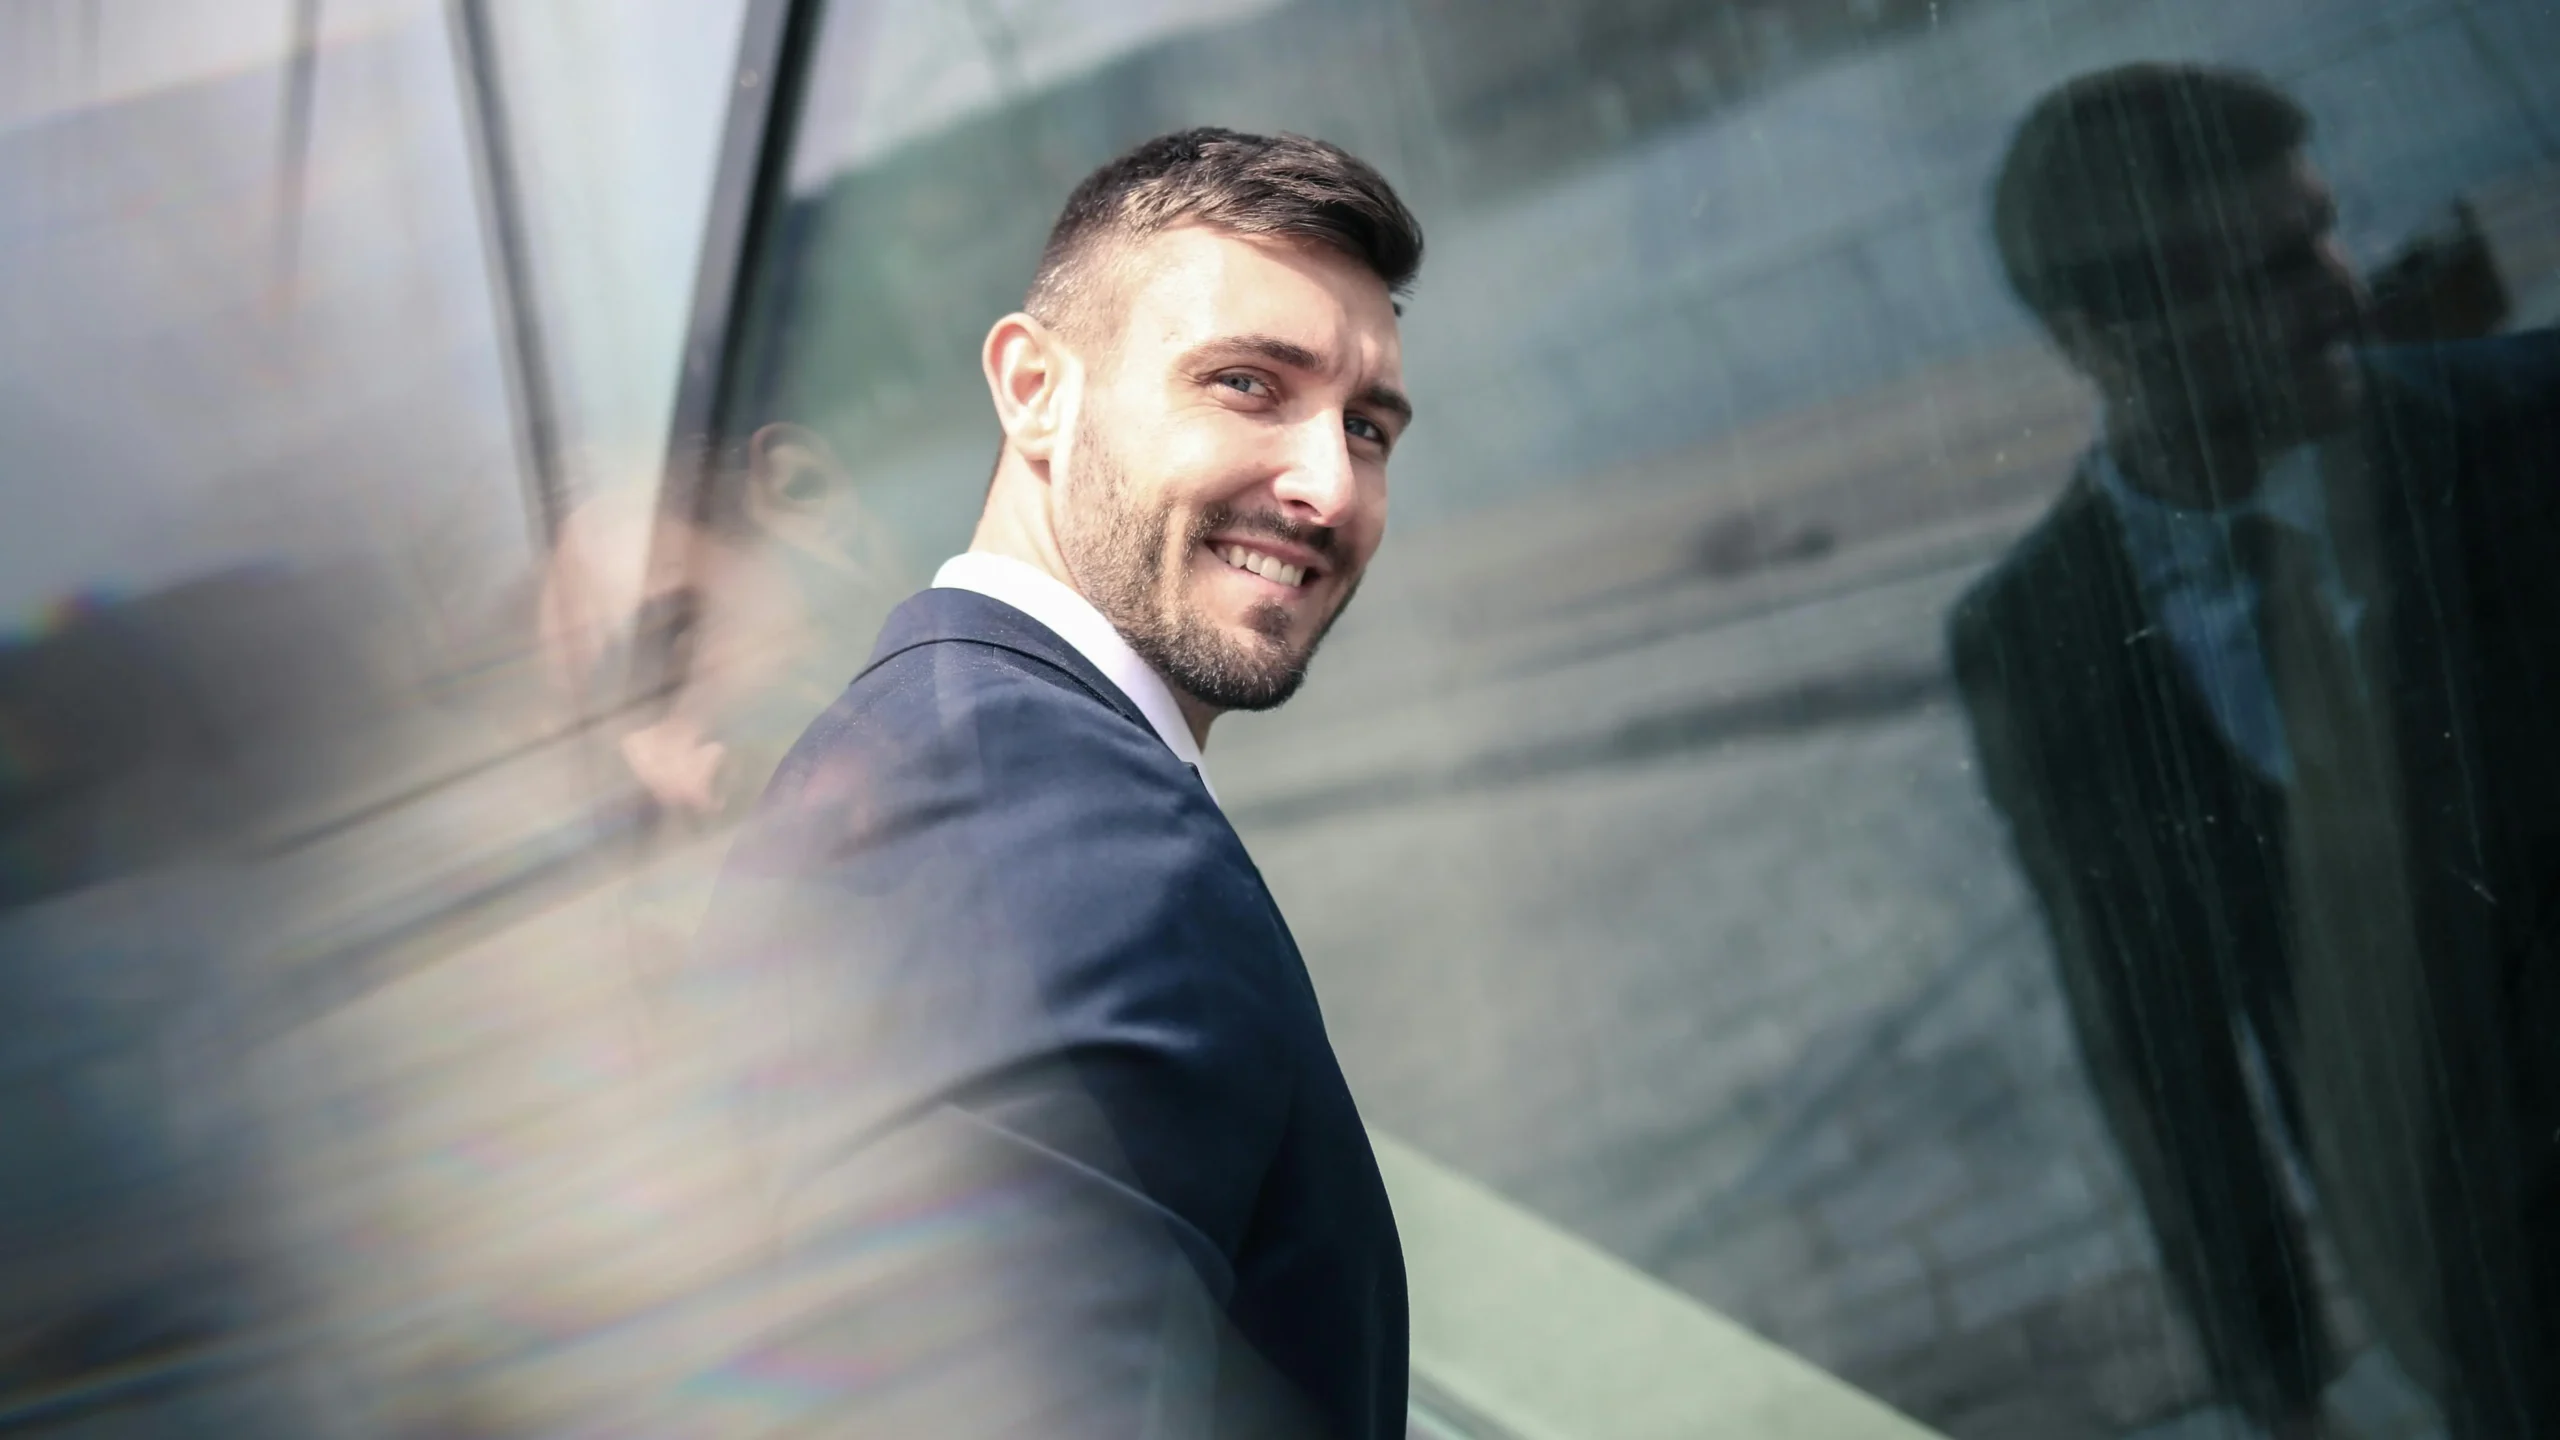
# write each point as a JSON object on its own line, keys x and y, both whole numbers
{"x": 2183, "y": 462}
{"x": 1016, "y": 522}
{"x": 1019, "y": 524}
{"x": 1194, "y": 714}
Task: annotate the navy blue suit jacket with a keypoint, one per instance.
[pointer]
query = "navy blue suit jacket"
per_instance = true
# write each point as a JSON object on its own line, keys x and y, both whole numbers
{"x": 1038, "y": 1072}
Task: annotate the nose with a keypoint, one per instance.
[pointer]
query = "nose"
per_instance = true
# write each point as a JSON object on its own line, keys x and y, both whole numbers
{"x": 1318, "y": 484}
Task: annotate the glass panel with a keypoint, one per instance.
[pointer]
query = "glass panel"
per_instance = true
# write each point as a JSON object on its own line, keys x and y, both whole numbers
{"x": 1999, "y": 1032}
{"x": 271, "y": 717}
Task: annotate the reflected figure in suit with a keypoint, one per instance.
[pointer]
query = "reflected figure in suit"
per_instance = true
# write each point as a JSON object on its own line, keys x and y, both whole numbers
{"x": 2268, "y": 702}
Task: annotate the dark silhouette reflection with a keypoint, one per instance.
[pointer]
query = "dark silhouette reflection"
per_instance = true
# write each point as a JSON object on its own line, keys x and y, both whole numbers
{"x": 2267, "y": 702}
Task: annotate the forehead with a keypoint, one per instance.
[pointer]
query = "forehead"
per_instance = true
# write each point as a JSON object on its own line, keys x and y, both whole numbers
{"x": 1189, "y": 285}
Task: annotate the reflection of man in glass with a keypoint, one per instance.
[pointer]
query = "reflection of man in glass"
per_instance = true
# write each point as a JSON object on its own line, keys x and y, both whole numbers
{"x": 752, "y": 608}
{"x": 2267, "y": 701}
{"x": 1039, "y": 1044}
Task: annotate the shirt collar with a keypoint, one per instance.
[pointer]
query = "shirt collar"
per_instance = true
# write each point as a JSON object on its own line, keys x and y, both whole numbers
{"x": 2170, "y": 541}
{"x": 1073, "y": 619}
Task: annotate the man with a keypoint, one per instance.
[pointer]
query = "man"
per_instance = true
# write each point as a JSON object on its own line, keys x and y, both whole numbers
{"x": 2267, "y": 702}
{"x": 1043, "y": 1082}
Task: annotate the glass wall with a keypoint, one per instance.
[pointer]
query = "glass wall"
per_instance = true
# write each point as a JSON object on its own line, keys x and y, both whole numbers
{"x": 1943, "y": 755}
{"x": 277, "y": 735}
{"x": 1657, "y": 859}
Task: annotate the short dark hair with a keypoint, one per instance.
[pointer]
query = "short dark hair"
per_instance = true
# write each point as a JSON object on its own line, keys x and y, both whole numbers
{"x": 2097, "y": 162}
{"x": 1277, "y": 185}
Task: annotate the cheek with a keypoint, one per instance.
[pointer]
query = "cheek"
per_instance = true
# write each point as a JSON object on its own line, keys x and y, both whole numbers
{"x": 1211, "y": 452}
{"x": 1212, "y": 477}
{"x": 1366, "y": 533}
{"x": 2200, "y": 348}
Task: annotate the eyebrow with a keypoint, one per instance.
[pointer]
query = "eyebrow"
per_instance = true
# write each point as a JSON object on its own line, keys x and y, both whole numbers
{"x": 1389, "y": 399}
{"x": 1294, "y": 356}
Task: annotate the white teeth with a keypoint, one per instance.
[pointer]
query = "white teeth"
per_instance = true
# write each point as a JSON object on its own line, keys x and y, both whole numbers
{"x": 1255, "y": 562}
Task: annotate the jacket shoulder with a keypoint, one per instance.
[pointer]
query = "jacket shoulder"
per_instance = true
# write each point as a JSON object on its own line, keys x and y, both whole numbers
{"x": 2009, "y": 597}
{"x": 968, "y": 777}
{"x": 963, "y": 710}
{"x": 1027, "y": 880}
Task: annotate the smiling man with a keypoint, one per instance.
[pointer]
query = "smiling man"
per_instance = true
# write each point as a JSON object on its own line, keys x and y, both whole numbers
{"x": 1034, "y": 1053}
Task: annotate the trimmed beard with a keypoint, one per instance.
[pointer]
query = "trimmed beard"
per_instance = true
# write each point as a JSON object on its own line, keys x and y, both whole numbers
{"x": 1116, "y": 553}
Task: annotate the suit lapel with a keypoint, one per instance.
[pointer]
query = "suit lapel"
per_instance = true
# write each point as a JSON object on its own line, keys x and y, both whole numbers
{"x": 2144, "y": 748}
{"x": 2147, "y": 690}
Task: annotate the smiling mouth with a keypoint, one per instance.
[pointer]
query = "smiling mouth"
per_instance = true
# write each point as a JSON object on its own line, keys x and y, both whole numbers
{"x": 1254, "y": 562}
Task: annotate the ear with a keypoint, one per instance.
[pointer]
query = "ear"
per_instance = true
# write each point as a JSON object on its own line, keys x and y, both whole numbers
{"x": 1028, "y": 366}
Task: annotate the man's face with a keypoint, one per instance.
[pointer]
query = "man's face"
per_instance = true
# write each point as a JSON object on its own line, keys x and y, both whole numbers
{"x": 2260, "y": 314}
{"x": 1226, "y": 479}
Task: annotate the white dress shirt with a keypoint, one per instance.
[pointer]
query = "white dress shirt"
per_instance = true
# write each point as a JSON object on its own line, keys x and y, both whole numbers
{"x": 2186, "y": 567}
{"x": 1072, "y": 618}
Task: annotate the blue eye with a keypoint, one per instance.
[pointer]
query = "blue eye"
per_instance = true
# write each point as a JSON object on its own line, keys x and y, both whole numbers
{"x": 1365, "y": 428}
{"x": 1241, "y": 384}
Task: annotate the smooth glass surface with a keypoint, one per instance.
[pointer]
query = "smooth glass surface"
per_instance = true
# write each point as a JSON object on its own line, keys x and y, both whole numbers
{"x": 2028, "y": 936}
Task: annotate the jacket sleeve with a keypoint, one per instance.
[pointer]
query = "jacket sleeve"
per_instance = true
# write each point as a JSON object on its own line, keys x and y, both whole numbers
{"x": 2154, "y": 1018}
{"x": 997, "y": 1033}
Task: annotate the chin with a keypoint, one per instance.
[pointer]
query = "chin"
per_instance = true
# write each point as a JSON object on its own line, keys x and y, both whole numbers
{"x": 1251, "y": 621}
